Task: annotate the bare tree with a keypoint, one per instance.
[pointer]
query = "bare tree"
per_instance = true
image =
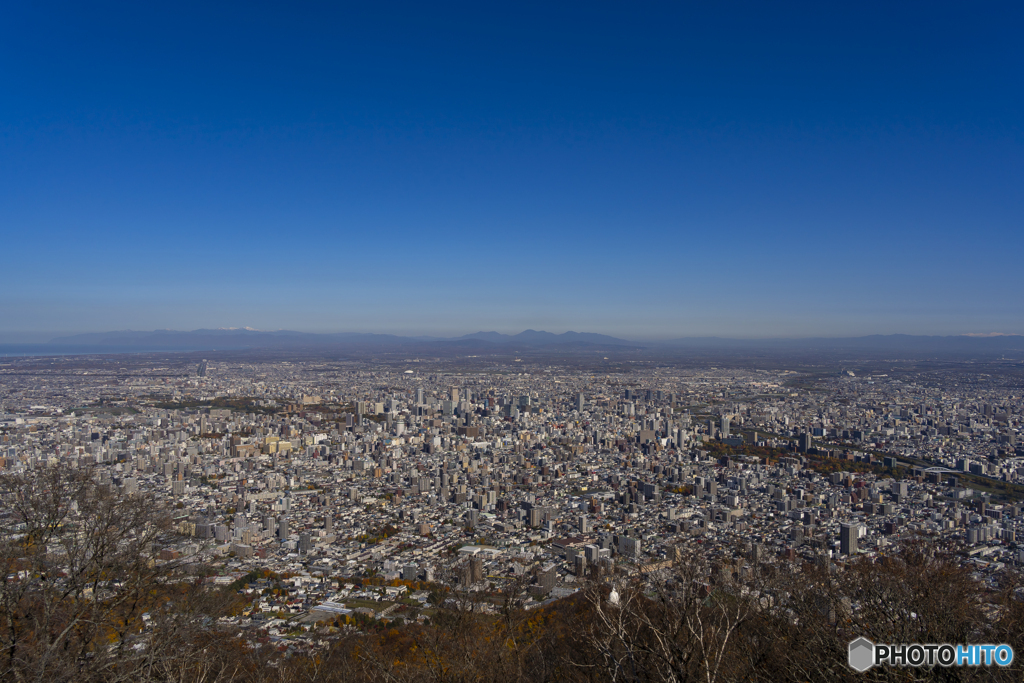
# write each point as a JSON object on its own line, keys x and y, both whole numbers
{"x": 675, "y": 624}
{"x": 78, "y": 574}
{"x": 914, "y": 595}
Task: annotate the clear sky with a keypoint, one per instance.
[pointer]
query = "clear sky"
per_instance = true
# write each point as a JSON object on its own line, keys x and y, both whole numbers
{"x": 637, "y": 169}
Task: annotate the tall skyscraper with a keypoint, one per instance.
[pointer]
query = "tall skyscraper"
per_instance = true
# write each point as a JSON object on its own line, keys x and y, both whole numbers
{"x": 848, "y": 539}
{"x": 806, "y": 442}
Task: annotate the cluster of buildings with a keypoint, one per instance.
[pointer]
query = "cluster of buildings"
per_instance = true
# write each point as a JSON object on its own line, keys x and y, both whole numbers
{"x": 364, "y": 485}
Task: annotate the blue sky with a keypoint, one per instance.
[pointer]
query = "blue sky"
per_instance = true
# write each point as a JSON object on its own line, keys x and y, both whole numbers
{"x": 638, "y": 169}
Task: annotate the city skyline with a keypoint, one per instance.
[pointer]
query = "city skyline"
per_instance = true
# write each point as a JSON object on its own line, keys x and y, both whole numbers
{"x": 344, "y": 500}
{"x": 667, "y": 171}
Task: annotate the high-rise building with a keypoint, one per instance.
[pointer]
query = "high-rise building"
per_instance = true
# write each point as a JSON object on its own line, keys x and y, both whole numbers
{"x": 848, "y": 534}
{"x": 546, "y": 578}
{"x": 629, "y": 546}
{"x": 806, "y": 442}
{"x": 725, "y": 426}
{"x": 579, "y": 402}
{"x": 476, "y": 569}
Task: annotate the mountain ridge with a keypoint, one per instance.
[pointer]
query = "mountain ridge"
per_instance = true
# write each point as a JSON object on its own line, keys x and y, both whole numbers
{"x": 278, "y": 338}
{"x": 538, "y": 339}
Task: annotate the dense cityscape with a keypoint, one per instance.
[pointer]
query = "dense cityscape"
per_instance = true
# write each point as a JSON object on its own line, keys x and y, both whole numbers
{"x": 368, "y": 484}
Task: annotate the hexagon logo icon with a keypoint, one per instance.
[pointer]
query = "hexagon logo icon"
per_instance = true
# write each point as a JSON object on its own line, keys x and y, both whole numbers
{"x": 862, "y": 654}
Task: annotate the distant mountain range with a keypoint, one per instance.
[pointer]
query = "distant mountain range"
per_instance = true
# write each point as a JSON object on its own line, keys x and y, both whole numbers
{"x": 249, "y": 338}
{"x": 535, "y": 338}
{"x": 567, "y": 342}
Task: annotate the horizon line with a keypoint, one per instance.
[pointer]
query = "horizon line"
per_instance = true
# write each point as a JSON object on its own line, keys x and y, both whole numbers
{"x": 659, "y": 338}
